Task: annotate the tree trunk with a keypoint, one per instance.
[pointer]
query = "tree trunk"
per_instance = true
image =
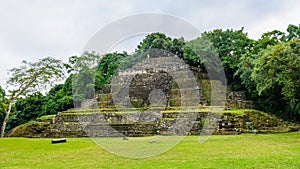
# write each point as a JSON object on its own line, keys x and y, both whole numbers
{"x": 6, "y": 119}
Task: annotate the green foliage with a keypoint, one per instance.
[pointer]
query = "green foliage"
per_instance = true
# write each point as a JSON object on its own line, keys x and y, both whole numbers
{"x": 108, "y": 66}
{"x": 2, "y": 94}
{"x": 87, "y": 59}
{"x": 156, "y": 41}
{"x": 31, "y": 77}
{"x": 244, "y": 72}
{"x": 277, "y": 71}
{"x": 83, "y": 81}
{"x": 278, "y": 65}
{"x": 231, "y": 46}
{"x": 293, "y": 32}
{"x": 37, "y": 105}
{"x": 53, "y": 91}
{"x": 160, "y": 45}
{"x": 177, "y": 47}
{"x": 270, "y": 73}
{"x": 273, "y": 37}
{"x": 26, "y": 109}
{"x": 89, "y": 74}
{"x": 201, "y": 52}
{"x": 246, "y": 63}
{"x": 267, "y": 69}
{"x": 59, "y": 98}
{"x": 57, "y": 103}
{"x": 68, "y": 86}
{"x": 3, "y": 104}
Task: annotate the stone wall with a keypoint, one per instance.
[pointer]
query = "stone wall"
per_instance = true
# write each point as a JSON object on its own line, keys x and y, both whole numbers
{"x": 136, "y": 124}
{"x": 169, "y": 76}
{"x": 174, "y": 78}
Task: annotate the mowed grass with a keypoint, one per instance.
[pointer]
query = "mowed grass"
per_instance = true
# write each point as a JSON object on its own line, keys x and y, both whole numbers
{"x": 219, "y": 151}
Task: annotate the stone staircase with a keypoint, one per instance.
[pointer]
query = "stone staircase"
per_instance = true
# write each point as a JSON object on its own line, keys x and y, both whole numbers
{"x": 90, "y": 123}
{"x": 177, "y": 84}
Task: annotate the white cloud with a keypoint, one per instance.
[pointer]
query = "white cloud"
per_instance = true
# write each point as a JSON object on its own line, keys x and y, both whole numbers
{"x": 34, "y": 29}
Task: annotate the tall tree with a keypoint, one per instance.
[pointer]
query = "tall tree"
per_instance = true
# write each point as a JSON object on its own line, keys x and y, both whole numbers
{"x": 201, "y": 52}
{"x": 246, "y": 61}
{"x": 82, "y": 80}
{"x": 277, "y": 71}
{"x": 87, "y": 59}
{"x": 109, "y": 66}
{"x": 231, "y": 45}
{"x": 29, "y": 78}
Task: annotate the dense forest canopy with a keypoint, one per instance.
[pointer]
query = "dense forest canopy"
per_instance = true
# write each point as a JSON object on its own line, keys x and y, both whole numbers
{"x": 267, "y": 69}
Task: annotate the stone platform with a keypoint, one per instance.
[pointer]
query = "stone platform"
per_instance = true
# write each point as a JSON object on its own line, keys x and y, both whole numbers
{"x": 137, "y": 124}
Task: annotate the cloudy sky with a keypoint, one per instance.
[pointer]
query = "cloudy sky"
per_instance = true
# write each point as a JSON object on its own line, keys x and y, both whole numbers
{"x": 32, "y": 29}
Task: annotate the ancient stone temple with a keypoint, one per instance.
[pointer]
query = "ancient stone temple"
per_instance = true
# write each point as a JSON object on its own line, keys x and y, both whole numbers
{"x": 177, "y": 80}
{"x": 170, "y": 75}
{"x": 143, "y": 92}
{"x": 160, "y": 95}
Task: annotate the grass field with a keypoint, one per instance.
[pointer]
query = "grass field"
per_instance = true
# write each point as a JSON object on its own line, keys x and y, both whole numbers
{"x": 220, "y": 151}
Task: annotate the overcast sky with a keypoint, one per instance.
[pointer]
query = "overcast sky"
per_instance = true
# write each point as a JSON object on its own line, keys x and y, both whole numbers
{"x": 33, "y": 29}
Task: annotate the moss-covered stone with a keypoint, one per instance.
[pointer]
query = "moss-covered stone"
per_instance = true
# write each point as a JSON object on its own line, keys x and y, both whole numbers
{"x": 100, "y": 124}
{"x": 31, "y": 130}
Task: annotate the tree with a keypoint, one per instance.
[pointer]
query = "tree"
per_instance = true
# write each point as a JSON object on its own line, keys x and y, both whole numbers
{"x": 293, "y": 32}
{"x": 230, "y": 45}
{"x": 59, "y": 98}
{"x": 109, "y": 66}
{"x": 29, "y": 78}
{"x": 84, "y": 84}
{"x": 87, "y": 59}
{"x": 165, "y": 45}
{"x": 277, "y": 71}
{"x": 177, "y": 46}
{"x": 201, "y": 52}
{"x": 268, "y": 94}
{"x": 81, "y": 82}
{"x": 279, "y": 65}
{"x": 246, "y": 63}
{"x": 156, "y": 41}
{"x": 26, "y": 109}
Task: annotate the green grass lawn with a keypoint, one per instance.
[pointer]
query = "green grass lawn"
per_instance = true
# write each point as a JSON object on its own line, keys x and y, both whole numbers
{"x": 220, "y": 151}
